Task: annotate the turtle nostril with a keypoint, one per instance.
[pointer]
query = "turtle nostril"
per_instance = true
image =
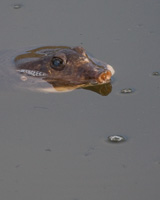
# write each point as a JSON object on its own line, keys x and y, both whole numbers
{"x": 104, "y": 77}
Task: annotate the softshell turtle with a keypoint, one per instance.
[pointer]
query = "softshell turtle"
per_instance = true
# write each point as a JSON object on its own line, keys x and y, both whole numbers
{"x": 61, "y": 68}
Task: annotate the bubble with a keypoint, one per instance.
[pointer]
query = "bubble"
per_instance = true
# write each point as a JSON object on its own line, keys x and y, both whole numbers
{"x": 17, "y": 6}
{"x": 156, "y": 74}
{"x": 116, "y": 138}
{"x": 127, "y": 91}
{"x": 23, "y": 78}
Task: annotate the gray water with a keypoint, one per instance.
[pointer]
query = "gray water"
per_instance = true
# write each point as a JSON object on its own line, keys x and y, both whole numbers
{"x": 54, "y": 146}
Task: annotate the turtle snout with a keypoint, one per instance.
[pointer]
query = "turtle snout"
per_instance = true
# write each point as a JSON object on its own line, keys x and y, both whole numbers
{"x": 104, "y": 77}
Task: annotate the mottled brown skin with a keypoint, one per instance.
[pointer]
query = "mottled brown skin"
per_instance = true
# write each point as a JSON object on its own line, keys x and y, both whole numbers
{"x": 74, "y": 66}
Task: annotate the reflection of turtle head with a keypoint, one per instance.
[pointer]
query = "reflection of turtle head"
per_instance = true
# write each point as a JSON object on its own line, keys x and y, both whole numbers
{"x": 104, "y": 89}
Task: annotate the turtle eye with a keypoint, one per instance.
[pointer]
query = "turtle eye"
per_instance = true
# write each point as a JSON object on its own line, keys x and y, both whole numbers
{"x": 57, "y": 63}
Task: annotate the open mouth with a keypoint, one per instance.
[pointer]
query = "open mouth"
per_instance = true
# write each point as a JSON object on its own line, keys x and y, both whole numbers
{"x": 106, "y": 76}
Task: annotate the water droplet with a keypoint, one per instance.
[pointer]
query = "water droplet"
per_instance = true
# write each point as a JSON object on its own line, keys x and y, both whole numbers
{"x": 23, "y": 78}
{"x": 17, "y": 6}
{"x": 116, "y": 138}
{"x": 127, "y": 91}
{"x": 156, "y": 74}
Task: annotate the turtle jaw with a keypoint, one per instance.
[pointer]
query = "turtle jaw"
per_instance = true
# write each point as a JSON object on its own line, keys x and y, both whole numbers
{"x": 110, "y": 68}
{"x": 105, "y": 77}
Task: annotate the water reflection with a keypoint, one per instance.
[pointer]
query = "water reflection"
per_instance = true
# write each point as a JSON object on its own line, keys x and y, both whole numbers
{"x": 103, "y": 90}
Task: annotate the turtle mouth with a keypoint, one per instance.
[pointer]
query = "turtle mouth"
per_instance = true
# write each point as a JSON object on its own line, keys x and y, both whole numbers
{"x": 105, "y": 77}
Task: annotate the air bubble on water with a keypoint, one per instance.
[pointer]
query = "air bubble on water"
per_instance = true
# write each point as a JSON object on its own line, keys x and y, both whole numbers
{"x": 17, "y": 6}
{"x": 116, "y": 138}
{"x": 23, "y": 78}
{"x": 127, "y": 91}
{"x": 156, "y": 74}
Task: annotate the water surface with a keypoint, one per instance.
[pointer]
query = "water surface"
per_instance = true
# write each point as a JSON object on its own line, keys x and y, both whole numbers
{"x": 53, "y": 146}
